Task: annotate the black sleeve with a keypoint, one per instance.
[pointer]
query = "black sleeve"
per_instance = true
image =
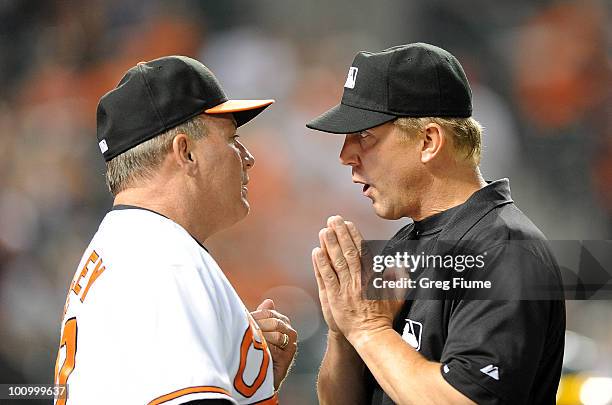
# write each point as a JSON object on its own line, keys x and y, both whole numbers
{"x": 497, "y": 350}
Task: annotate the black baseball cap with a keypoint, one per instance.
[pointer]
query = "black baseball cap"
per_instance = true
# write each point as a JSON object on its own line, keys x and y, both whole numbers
{"x": 153, "y": 97}
{"x": 414, "y": 80}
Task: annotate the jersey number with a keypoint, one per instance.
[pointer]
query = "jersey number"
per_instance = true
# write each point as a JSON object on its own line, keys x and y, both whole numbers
{"x": 69, "y": 340}
{"x": 69, "y": 336}
{"x": 249, "y": 339}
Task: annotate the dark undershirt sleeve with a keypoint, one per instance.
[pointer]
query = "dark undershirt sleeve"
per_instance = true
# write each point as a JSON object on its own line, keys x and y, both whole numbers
{"x": 494, "y": 347}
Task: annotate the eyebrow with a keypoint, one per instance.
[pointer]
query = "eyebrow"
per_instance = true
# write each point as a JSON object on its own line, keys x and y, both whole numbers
{"x": 235, "y": 131}
{"x": 364, "y": 131}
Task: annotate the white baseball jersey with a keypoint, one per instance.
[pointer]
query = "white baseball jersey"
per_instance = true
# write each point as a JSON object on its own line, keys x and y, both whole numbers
{"x": 150, "y": 318}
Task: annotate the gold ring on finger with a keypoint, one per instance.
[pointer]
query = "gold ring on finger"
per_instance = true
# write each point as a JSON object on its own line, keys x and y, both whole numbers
{"x": 285, "y": 341}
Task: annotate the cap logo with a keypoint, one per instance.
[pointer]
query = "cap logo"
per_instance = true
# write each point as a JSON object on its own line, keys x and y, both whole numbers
{"x": 103, "y": 146}
{"x": 351, "y": 77}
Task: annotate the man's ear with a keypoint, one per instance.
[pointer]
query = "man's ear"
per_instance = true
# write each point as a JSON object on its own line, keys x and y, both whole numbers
{"x": 182, "y": 151}
{"x": 434, "y": 139}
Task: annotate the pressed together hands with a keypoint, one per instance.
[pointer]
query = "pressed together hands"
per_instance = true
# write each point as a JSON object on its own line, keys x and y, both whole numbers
{"x": 338, "y": 271}
{"x": 337, "y": 267}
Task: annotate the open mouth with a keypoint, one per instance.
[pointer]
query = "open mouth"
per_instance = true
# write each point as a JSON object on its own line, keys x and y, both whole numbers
{"x": 366, "y": 187}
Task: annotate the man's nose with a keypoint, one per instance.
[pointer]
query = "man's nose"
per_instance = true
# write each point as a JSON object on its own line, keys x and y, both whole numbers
{"x": 249, "y": 160}
{"x": 349, "y": 154}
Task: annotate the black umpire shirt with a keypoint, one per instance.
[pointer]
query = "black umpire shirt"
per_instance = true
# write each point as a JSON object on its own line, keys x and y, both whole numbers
{"x": 501, "y": 348}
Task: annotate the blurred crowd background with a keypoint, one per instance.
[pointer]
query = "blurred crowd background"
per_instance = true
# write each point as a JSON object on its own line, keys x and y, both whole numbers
{"x": 540, "y": 74}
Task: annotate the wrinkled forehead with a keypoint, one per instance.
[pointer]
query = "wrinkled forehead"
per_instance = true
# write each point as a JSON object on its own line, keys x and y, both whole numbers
{"x": 222, "y": 122}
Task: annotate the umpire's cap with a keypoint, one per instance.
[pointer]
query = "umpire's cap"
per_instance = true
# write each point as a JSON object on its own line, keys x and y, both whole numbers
{"x": 414, "y": 80}
{"x": 156, "y": 96}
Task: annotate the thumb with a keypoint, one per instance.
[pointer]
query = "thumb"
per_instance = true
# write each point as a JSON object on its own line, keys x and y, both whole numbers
{"x": 266, "y": 304}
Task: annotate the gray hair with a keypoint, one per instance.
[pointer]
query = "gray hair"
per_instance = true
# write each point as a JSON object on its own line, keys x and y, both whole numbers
{"x": 140, "y": 162}
{"x": 466, "y": 133}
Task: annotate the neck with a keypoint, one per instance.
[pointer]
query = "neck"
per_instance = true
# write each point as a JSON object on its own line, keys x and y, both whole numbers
{"x": 159, "y": 199}
{"x": 448, "y": 191}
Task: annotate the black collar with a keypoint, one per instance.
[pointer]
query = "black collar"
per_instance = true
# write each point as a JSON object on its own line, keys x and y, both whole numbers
{"x": 436, "y": 222}
{"x": 483, "y": 201}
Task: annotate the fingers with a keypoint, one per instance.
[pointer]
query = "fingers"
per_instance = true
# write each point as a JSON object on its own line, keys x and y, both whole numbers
{"x": 275, "y": 330}
{"x": 357, "y": 237}
{"x": 348, "y": 246}
{"x": 342, "y": 250}
{"x": 327, "y": 273}
{"x": 322, "y": 241}
{"x": 266, "y": 304}
{"x": 265, "y": 313}
{"x": 334, "y": 251}
{"x": 317, "y": 272}
{"x": 278, "y": 339}
{"x": 276, "y": 325}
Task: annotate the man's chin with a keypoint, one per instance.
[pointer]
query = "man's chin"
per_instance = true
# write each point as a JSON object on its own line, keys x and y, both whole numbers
{"x": 246, "y": 207}
{"x": 385, "y": 212}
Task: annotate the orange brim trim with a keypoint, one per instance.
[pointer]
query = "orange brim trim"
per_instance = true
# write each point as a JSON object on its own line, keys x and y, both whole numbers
{"x": 186, "y": 391}
{"x": 231, "y": 106}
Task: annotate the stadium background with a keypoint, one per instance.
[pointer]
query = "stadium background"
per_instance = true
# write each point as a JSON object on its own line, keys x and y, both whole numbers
{"x": 540, "y": 73}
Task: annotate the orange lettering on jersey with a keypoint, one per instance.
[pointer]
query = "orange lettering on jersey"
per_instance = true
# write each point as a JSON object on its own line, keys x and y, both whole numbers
{"x": 96, "y": 273}
{"x": 99, "y": 268}
{"x": 76, "y": 287}
{"x": 248, "y": 340}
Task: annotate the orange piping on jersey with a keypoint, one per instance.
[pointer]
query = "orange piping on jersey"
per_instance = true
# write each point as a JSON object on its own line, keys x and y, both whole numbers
{"x": 186, "y": 391}
{"x": 273, "y": 400}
